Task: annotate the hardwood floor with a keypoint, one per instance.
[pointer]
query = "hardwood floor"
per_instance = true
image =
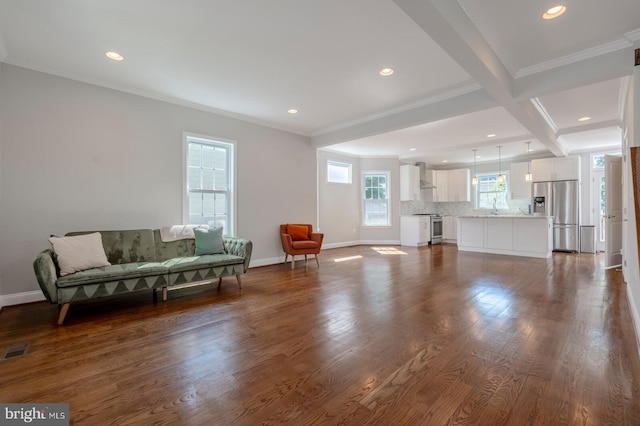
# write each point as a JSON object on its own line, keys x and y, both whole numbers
{"x": 396, "y": 335}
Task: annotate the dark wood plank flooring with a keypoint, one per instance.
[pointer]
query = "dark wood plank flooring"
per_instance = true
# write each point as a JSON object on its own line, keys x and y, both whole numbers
{"x": 393, "y": 335}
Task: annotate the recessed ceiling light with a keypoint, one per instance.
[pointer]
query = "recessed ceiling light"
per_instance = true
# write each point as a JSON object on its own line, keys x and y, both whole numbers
{"x": 554, "y": 12}
{"x": 478, "y": 156}
{"x": 445, "y": 161}
{"x": 115, "y": 56}
{"x": 386, "y": 72}
{"x": 491, "y": 135}
{"x": 584, "y": 118}
{"x": 412, "y": 149}
{"x": 292, "y": 111}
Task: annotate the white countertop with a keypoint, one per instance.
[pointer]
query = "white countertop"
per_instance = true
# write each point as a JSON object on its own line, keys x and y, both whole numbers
{"x": 505, "y": 216}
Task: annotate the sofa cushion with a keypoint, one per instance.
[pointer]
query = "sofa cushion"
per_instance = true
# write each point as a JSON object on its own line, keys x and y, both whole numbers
{"x": 298, "y": 232}
{"x": 300, "y": 245}
{"x": 112, "y": 273}
{"x": 79, "y": 253}
{"x": 198, "y": 262}
{"x": 209, "y": 241}
{"x": 127, "y": 246}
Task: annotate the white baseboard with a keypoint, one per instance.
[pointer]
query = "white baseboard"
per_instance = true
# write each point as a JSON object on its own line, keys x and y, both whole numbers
{"x": 635, "y": 315}
{"x": 20, "y": 298}
{"x": 380, "y": 242}
{"x": 339, "y": 245}
{"x": 265, "y": 262}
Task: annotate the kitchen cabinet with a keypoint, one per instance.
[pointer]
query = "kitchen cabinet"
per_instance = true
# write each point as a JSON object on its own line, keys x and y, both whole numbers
{"x": 450, "y": 185}
{"x": 409, "y": 182}
{"x": 520, "y": 188}
{"x": 516, "y": 235}
{"x": 450, "y": 228}
{"x": 556, "y": 168}
{"x": 458, "y": 185}
{"x": 415, "y": 230}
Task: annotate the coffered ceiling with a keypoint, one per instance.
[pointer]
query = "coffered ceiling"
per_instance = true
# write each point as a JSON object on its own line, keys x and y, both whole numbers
{"x": 463, "y": 69}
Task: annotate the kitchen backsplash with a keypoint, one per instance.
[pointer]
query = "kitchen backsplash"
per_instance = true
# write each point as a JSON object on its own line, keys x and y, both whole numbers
{"x": 458, "y": 208}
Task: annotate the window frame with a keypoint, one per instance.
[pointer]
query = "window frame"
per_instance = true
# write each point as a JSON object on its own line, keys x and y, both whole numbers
{"x": 336, "y": 163}
{"x": 387, "y": 175}
{"x": 506, "y": 190}
{"x": 187, "y": 138}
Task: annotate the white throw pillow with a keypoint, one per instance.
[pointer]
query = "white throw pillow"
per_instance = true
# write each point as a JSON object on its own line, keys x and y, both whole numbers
{"x": 79, "y": 252}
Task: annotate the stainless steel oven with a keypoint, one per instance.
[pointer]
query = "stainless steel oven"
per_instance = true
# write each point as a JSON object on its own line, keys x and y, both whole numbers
{"x": 436, "y": 229}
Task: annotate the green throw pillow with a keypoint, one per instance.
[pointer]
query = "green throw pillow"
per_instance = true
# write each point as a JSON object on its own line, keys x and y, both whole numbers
{"x": 209, "y": 241}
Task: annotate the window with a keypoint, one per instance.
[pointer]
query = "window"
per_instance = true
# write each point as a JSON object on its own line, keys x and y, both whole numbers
{"x": 598, "y": 161}
{"x": 338, "y": 172}
{"x": 489, "y": 190}
{"x": 209, "y": 183}
{"x": 376, "y": 199}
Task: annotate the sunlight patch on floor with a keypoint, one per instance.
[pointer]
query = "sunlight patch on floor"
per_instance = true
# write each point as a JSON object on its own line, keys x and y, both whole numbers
{"x": 344, "y": 259}
{"x": 388, "y": 250}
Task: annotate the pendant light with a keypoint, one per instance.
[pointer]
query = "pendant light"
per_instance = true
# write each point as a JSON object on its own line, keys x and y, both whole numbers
{"x": 528, "y": 177}
{"x": 500, "y": 177}
{"x": 474, "y": 181}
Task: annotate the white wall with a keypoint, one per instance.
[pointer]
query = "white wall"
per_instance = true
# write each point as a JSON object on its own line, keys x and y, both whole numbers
{"x": 81, "y": 157}
{"x": 338, "y": 206}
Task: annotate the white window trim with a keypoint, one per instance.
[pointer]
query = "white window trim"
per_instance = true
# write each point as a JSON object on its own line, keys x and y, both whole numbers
{"x": 507, "y": 190}
{"x": 232, "y": 202}
{"x": 340, "y": 163}
{"x": 387, "y": 173}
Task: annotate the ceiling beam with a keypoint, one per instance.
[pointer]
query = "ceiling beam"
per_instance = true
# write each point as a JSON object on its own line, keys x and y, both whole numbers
{"x": 606, "y": 66}
{"x": 449, "y": 26}
{"x": 475, "y": 100}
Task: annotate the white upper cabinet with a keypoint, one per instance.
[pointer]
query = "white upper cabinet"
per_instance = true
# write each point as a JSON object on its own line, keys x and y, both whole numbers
{"x": 451, "y": 185}
{"x": 520, "y": 188}
{"x": 409, "y": 182}
{"x": 555, "y": 168}
{"x": 458, "y": 185}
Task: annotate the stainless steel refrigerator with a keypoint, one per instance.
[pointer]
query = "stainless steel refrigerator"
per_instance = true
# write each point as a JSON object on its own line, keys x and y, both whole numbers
{"x": 559, "y": 199}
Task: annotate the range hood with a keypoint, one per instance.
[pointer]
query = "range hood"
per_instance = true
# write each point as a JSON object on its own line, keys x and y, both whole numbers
{"x": 425, "y": 178}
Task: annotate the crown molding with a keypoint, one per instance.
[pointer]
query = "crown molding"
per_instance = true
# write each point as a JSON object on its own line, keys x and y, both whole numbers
{"x": 575, "y": 57}
{"x": 545, "y": 115}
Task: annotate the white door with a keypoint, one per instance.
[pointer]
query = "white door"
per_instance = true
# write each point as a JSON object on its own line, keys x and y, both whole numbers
{"x": 613, "y": 210}
{"x": 598, "y": 212}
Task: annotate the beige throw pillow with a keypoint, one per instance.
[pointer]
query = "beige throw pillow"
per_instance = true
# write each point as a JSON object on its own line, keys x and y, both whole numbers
{"x": 79, "y": 252}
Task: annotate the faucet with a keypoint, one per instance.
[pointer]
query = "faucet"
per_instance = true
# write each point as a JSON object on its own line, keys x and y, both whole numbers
{"x": 494, "y": 211}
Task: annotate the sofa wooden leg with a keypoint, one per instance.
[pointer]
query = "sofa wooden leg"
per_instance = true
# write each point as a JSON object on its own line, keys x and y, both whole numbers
{"x": 63, "y": 312}
{"x": 164, "y": 294}
{"x": 239, "y": 282}
{"x": 317, "y": 261}
{"x": 293, "y": 261}
{"x": 219, "y": 283}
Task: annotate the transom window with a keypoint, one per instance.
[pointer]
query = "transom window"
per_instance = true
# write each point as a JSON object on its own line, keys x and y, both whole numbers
{"x": 338, "y": 172}
{"x": 209, "y": 183}
{"x": 489, "y": 191}
{"x": 376, "y": 199}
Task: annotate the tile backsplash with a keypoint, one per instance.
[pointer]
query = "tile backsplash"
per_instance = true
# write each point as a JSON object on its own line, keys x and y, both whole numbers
{"x": 458, "y": 208}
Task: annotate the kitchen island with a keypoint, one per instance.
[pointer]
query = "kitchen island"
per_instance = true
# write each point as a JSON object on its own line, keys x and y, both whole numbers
{"x": 513, "y": 235}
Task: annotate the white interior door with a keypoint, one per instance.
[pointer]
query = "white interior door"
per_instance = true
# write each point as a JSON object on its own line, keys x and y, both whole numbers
{"x": 613, "y": 210}
{"x": 598, "y": 208}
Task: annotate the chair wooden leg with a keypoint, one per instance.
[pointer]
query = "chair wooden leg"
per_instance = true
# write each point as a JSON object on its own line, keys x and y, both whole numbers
{"x": 63, "y": 313}
{"x": 219, "y": 283}
{"x": 317, "y": 262}
{"x": 165, "y": 293}
{"x": 293, "y": 261}
{"x": 239, "y": 282}
{"x": 305, "y": 260}
{"x": 286, "y": 256}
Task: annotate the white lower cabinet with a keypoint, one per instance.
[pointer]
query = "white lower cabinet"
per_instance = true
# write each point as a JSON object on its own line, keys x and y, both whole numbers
{"x": 450, "y": 228}
{"x": 415, "y": 230}
{"x": 529, "y": 236}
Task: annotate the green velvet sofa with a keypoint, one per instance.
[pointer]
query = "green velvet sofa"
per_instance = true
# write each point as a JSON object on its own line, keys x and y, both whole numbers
{"x": 140, "y": 260}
